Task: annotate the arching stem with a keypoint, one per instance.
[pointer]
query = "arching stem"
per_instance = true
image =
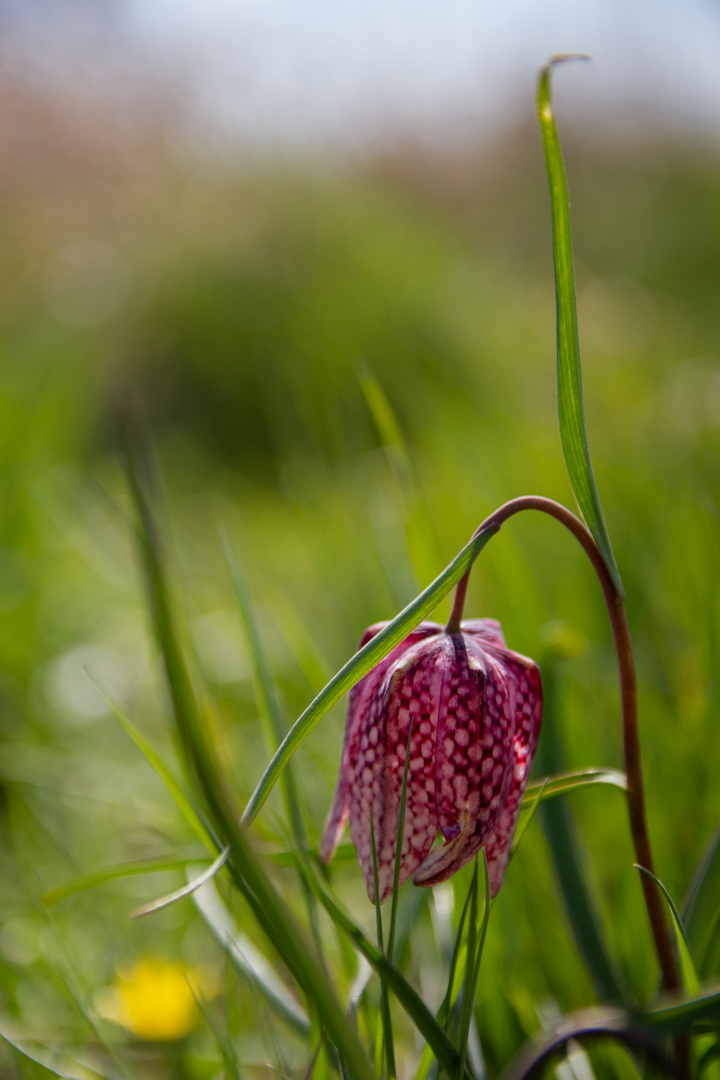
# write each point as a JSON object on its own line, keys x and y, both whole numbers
{"x": 628, "y": 691}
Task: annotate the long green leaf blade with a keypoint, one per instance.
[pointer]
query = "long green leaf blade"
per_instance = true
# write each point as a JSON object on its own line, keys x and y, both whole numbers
{"x": 573, "y": 431}
{"x": 359, "y": 665}
{"x": 246, "y": 871}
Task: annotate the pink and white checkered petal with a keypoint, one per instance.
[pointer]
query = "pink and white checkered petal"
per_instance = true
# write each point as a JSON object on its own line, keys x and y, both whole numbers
{"x": 473, "y": 761}
{"x": 360, "y": 702}
{"x": 412, "y": 690}
{"x": 364, "y": 781}
{"x": 475, "y": 729}
{"x": 524, "y": 677}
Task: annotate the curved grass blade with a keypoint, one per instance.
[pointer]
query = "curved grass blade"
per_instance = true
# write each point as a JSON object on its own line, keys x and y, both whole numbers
{"x": 112, "y": 873}
{"x": 187, "y": 805}
{"x": 573, "y": 431}
{"x": 186, "y": 890}
{"x": 701, "y": 913}
{"x": 560, "y": 783}
{"x": 359, "y": 665}
{"x": 56, "y": 1063}
{"x": 247, "y": 873}
{"x": 690, "y": 979}
{"x": 249, "y": 961}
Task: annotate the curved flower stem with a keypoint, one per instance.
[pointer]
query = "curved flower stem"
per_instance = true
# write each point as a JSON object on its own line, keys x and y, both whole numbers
{"x": 628, "y": 690}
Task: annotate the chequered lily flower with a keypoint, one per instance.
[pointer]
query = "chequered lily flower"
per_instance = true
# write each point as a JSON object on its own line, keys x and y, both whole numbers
{"x": 475, "y": 708}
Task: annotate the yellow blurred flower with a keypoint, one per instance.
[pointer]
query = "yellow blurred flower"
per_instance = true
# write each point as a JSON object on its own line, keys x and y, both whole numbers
{"x": 153, "y": 1000}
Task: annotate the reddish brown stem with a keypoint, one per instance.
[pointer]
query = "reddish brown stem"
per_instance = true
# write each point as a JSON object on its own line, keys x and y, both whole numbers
{"x": 628, "y": 691}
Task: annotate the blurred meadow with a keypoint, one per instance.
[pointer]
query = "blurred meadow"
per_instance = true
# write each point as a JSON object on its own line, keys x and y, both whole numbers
{"x": 347, "y": 364}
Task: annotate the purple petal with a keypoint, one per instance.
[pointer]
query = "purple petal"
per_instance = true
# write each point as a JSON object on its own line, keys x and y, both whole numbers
{"x": 473, "y": 766}
{"x": 360, "y": 702}
{"x": 524, "y": 678}
{"x": 411, "y": 688}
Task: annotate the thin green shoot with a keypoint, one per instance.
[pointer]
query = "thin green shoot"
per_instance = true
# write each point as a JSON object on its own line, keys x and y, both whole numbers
{"x": 221, "y": 1036}
{"x": 385, "y": 1020}
{"x": 399, "y": 840}
{"x": 112, "y": 873}
{"x": 474, "y": 956}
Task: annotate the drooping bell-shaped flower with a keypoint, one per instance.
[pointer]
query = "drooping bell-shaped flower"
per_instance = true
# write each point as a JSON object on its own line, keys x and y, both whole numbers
{"x": 475, "y": 708}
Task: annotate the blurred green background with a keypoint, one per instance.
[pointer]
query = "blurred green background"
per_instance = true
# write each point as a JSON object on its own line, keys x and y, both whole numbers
{"x": 246, "y": 305}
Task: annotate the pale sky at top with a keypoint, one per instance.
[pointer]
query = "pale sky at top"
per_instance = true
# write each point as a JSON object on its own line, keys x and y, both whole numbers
{"x": 342, "y": 71}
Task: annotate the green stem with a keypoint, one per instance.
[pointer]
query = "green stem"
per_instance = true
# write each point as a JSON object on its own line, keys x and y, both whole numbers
{"x": 628, "y": 690}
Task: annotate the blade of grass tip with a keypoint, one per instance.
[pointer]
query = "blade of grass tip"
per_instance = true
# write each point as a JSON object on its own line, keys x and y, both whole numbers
{"x": 410, "y": 1000}
{"x": 254, "y": 967}
{"x": 445, "y": 1010}
{"x": 690, "y": 979}
{"x": 359, "y": 665}
{"x": 186, "y": 890}
{"x": 469, "y": 968}
{"x": 186, "y": 804}
{"x": 111, "y": 873}
{"x": 573, "y": 431}
{"x": 577, "y": 779}
{"x": 248, "y": 875}
{"x": 386, "y": 1024}
{"x": 399, "y": 839}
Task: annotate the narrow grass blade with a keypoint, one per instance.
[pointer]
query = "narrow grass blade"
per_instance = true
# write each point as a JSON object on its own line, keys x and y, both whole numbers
{"x": 247, "y": 873}
{"x": 569, "y": 859}
{"x": 248, "y": 959}
{"x": 410, "y": 1000}
{"x": 474, "y": 956}
{"x": 701, "y": 912}
{"x": 186, "y": 890}
{"x": 445, "y": 1010}
{"x": 359, "y": 665}
{"x": 418, "y": 526}
{"x": 467, "y": 1002}
{"x": 56, "y": 1063}
{"x": 399, "y": 837}
{"x": 550, "y": 786}
{"x": 573, "y": 431}
{"x": 690, "y": 979}
{"x": 187, "y": 805}
{"x": 221, "y": 1037}
{"x": 385, "y": 1022}
{"x": 112, "y": 873}
{"x": 266, "y": 695}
